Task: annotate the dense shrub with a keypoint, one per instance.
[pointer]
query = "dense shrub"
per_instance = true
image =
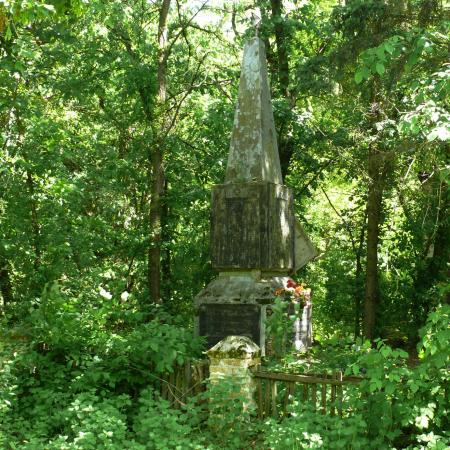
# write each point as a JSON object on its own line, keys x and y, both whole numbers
{"x": 71, "y": 372}
{"x": 75, "y": 385}
{"x": 309, "y": 429}
{"x": 394, "y": 406}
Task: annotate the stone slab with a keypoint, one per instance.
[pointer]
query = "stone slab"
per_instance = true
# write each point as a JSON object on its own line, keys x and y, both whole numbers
{"x": 303, "y": 332}
{"x": 305, "y": 250}
{"x": 217, "y": 321}
{"x": 238, "y": 288}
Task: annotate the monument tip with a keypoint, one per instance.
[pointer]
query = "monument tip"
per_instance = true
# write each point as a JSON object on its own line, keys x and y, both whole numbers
{"x": 253, "y": 149}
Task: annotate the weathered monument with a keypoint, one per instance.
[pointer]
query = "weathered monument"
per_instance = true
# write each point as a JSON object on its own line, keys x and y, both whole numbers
{"x": 255, "y": 240}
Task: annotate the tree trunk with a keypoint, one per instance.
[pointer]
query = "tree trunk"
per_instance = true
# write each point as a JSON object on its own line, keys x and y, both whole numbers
{"x": 358, "y": 278}
{"x": 264, "y": 35}
{"x": 374, "y": 204}
{"x": 154, "y": 251}
{"x": 280, "y": 38}
{"x": 157, "y": 166}
{"x": 34, "y": 222}
{"x": 166, "y": 257}
{"x": 285, "y": 143}
{"x": 5, "y": 283}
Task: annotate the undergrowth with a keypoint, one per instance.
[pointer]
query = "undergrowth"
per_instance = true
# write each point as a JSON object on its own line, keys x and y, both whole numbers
{"x": 73, "y": 377}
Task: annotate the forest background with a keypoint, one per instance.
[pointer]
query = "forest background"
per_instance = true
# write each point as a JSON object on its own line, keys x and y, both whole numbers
{"x": 115, "y": 124}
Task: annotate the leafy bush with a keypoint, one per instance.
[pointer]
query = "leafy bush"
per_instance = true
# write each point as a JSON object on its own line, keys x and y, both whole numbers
{"x": 76, "y": 385}
{"x": 429, "y": 382}
{"x": 230, "y": 424}
{"x": 158, "y": 427}
{"x": 309, "y": 429}
{"x": 381, "y": 397}
{"x": 394, "y": 405}
{"x": 69, "y": 374}
{"x": 279, "y": 325}
{"x": 406, "y": 406}
{"x": 95, "y": 423}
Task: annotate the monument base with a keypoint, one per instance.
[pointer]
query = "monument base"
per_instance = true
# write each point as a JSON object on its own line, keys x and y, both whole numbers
{"x": 235, "y": 303}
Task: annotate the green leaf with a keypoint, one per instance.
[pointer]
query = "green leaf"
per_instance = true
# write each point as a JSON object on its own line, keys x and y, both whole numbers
{"x": 380, "y": 68}
{"x": 365, "y": 73}
{"x": 444, "y": 175}
{"x": 358, "y": 76}
{"x": 380, "y": 53}
{"x": 442, "y": 133}
{"x": 8, "y": 33}
{"x": 154, "y": 346}
{"x": 389, "y": 48}
{"x": 412, "y": 61}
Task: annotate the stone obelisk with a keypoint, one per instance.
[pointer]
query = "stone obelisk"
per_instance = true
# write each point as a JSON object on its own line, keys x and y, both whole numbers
{"x": 255, "y": 241}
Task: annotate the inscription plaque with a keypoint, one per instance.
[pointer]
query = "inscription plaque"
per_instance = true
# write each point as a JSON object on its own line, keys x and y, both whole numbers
{"x": 217, "y": 321}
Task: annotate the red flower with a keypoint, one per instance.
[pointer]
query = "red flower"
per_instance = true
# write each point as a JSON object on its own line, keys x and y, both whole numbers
{"x": 291, "y": 283}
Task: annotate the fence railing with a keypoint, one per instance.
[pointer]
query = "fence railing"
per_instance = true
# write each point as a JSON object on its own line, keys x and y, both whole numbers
{"x": 276, "y": 391}
{"x": 184, "y": 381}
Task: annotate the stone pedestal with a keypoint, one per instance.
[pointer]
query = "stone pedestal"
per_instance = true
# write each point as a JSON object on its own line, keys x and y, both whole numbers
{"x": 235, "y": 303}
{"x": 232, "y": 359}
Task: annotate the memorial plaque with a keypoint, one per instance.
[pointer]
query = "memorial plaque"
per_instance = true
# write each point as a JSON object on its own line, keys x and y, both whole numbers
{"x": 217, "y": 321}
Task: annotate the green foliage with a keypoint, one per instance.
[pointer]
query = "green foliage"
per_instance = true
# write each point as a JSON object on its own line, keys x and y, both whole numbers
{"x": 399, "y": 402}
{"x": 94, "y": 422}
{"x": 280, "y": 322}
{"x": 91, "y": 401}
{"x": 76, "y": 368}
{"x": 230, "y": 413}
{"x": 395, "y": 405}
{"x": 220, "y": 418}
{"x": 309, "y": 429}
{"x": 428, "y": 90}
{"x": 158, "y": 426}
{"x": 435, "y": 338}
{"x": 429, "y": 384}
